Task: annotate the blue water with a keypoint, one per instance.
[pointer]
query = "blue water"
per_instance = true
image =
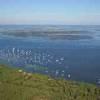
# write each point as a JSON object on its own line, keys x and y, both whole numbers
{"x": 70, "y": 52}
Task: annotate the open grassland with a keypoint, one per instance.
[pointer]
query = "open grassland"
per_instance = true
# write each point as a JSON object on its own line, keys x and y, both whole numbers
{"x": 16, "y": 84}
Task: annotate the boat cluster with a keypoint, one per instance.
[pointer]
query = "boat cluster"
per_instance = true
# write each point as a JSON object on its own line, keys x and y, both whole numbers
{"x": 29, "y": 56}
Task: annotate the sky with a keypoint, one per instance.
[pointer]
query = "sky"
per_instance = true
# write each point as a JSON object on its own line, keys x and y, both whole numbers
{"x": 66, "y": 12}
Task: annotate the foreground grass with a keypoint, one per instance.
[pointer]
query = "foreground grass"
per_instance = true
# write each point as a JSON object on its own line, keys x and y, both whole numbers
{"x": 19, "y": 85}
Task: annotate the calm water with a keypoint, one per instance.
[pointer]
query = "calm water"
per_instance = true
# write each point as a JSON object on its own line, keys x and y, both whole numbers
{"x": 71, "y": 52}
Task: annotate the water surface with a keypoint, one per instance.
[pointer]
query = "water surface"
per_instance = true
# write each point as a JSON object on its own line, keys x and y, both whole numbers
{"x": 71, "y": 52}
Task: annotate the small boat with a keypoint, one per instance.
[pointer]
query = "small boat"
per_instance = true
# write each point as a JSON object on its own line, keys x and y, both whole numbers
{"x": 69, "y": 76}
{"x": 98, "y": 81}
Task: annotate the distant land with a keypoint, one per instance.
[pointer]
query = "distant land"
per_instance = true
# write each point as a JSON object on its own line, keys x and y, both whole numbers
{"x": 50, "y": 31}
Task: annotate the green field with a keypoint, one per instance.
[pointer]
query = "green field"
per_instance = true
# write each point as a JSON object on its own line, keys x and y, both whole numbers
{"x": 16, "y": 84}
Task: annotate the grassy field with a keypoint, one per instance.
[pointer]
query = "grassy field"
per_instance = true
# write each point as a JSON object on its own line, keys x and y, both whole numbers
{"x": 16, "y": 84}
